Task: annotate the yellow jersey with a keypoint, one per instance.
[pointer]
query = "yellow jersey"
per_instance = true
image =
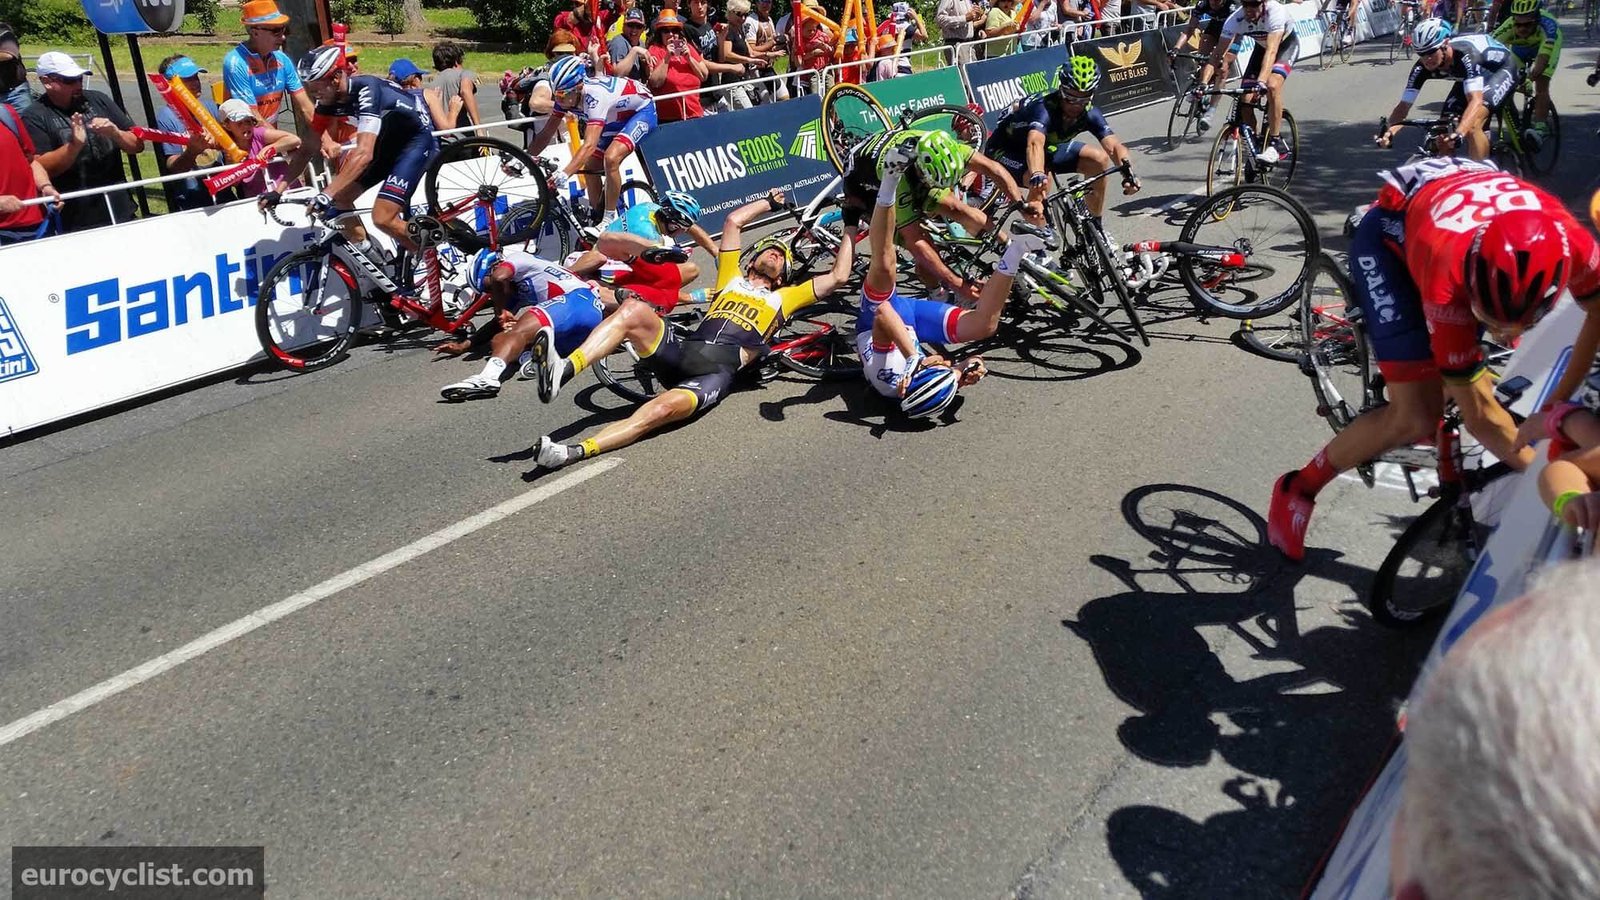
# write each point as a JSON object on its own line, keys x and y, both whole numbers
{"x": 744, "y": 314}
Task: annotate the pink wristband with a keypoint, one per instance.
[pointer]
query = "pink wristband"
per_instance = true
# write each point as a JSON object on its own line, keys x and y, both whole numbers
{"x": 1557, "y": 415}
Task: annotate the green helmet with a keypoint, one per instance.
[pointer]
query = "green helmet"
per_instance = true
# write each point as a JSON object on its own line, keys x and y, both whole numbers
{"x": 939, "y": 159}
{"x": 1080, "y": 75}
{"x": 1525, "y": 7}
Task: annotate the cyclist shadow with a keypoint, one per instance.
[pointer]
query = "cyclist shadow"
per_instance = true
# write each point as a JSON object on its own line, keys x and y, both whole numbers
{"x": 1041, "y": 346}
{"x": 862, "y": 406}
{"x": 1303, "y": 728}
{"x": 588, "y": 399}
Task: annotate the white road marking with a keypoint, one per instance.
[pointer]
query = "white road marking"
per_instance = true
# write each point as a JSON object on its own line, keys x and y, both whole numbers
{"x": 1175, "y": 202}
{"x": 238, "y": 628}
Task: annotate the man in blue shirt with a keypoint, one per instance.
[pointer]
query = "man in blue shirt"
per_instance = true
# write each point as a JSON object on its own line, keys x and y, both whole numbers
{"x": 258, "y": 72}
{"x": 200, "y": 152}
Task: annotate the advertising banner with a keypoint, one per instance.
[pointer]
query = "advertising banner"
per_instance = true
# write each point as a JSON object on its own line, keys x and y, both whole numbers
{"x": 1133, "y": 69}
{"x": 134, "y": 16}
{"x": 935, "y": 87}
{"x": 730, "y": 159}
{"x": 997, "y": 83}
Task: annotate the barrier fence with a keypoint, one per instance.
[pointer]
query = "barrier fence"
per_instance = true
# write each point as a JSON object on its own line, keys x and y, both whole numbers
{"x": 96, "y": 318}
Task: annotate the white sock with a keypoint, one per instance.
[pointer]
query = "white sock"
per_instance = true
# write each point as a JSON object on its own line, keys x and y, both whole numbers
{"x": 494, "y": 368}
{"x": 888, "y": 189}
{"x": 1009, "y": 260}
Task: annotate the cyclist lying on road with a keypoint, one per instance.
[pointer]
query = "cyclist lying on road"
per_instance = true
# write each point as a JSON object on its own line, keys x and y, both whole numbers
{"x": 659, "y": 283}
{"x": 889, "y": 326}
{"x": 1451, "y": 246}
{"x": 927, "y": 190}
{"x": 748, "y": 307}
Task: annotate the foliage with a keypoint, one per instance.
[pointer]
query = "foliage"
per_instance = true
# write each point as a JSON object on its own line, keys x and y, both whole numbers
{"x": 389, "y": 16}
{"x": 205, "y": 14}
{"x": 57, "y": 22}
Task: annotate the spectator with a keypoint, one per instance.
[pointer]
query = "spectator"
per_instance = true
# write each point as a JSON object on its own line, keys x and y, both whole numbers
{"x": 455, "y": 81}
{"x": 885, "y": 68}
{"x": 851, "y": 74}
{"x": 80, "y": 136}
{"x": 562, "y": 43}
{"x": 15, "y": 74}
{"x": 675, "y": 66}
{"x": 255, "y": 139}
{"x": 705, "y": 36}
{"x": 816, "y": 42}
{"x": 904, "y": 24}
{"x": 1501, "y": 786}
{"x": 618, "y": 19}
{"x": 1002, "y": 21}
{"x": 1071, "y": 11}
{"x": 408, "y": 75}
{"x": 629, "y": 58}
{"x": 257, "y": 71}
{"x": 736, "y": 51}
{"x": 1043, "y": 18}
{"x": 590, "y": 37}
{"x": 956, "y": 20}
{"x": 761, "y": 33}
{"x": 1147, "y": 10}
{"x": 22, "y": 176}
{"x": 201, "y": 152}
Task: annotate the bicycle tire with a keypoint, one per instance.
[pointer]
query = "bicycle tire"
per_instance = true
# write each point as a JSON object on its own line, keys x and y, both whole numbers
{"x": 1338, "y": 357}
{"x": 309, "y": 266}
{"x": 633, "y": 192}
{"x": 629, "y": 378}
{"x": 513, "y": 176}
{"x": 1283, "y": 169}
{"x": 553, "y": 240}
{"x": 1505, "y": 144}
{"x": 961, "y": 122}
{"x": 1216, "y": 180}
{"x": 1435, "y": 543}
{"x": 1543, "y": 161}
{"x": 1187, "y": 111}
{"x": 1279, "y": 337}
{"x": 1330, "y": 35}
{"x": 845, "y": 102}
{"x": 1341, "y": 46}
{"x": 826, "y": 348}
{"x": 1276, "y": 235}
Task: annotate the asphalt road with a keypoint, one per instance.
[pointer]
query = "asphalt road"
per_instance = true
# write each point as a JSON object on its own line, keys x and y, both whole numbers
{"x": 795, "y": 649}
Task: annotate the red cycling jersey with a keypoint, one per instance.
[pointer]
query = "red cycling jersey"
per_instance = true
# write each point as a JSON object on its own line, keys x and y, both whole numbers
{"x": 1440, "y": 218}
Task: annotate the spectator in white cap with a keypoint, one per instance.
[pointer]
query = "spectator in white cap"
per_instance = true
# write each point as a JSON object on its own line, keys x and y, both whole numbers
{"x": 81, "y": 136}
{"x": 904, "y": 24}
{"x": 1502, "y": 788}
{"x": 256, "y": 140}
{"x": 201, "y": 152}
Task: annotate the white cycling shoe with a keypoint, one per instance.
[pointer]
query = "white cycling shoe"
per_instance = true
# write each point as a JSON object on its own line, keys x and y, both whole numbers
{"x": 475, "y": 388}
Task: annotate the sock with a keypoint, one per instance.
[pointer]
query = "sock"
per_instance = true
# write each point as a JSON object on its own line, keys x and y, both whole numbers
{"x": 1008, "y": 261}
{"x": 1315, "y": 476}
{"x": 888, "y": 189}
{"x": 495, "y": 368}
{"x": 588, "y": 448}
{"x": 576, "y": 363}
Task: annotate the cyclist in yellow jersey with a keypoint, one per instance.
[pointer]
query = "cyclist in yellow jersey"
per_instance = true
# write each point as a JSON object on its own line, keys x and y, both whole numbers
{"x": 747, "y": 308}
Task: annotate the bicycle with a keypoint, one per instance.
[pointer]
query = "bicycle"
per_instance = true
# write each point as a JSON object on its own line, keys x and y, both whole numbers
{"x": 1514, "y": 122}
{"x": 1336, "y": 27}
{"x": 1400, "y": 40}
{"x": 1235, "y": 153}
{"x": 1429, "y": 562}
{"x": 1189, "y": 108}
{"x": 850, "y": 115}
{"x": 1433, "y": 143}
{"x": 1476, "y": 18}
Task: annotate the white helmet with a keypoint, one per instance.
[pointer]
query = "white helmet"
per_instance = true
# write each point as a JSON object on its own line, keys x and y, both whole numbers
{"x": 1428, "y": 34}
{"x": 320, "y": 62}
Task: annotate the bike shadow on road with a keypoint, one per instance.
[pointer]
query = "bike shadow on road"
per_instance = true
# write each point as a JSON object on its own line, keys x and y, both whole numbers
{"x": 1303, "y": 728}
{"x": 1043, "y": 344}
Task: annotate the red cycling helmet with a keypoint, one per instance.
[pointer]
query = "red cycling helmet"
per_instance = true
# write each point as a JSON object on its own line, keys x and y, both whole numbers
{"x": 1517, "y": 267}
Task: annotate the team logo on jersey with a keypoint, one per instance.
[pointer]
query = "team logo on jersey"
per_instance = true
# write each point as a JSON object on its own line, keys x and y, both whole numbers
{"x": 15, "y": 360}
{"x": 1125, "y": 59}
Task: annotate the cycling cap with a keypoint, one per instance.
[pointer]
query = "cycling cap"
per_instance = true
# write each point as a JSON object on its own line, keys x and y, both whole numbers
{"x": 939, "y": 159}
{"x": 931, "y": 391}
{"x": 320, "y": 62}
{"x": 1429, "y": 33}
{"x": 1517, "y": 267}
{"x": 482, "y": 265}
{"x": 1078, "y": 75}
{"x": 676, "y": 206}
{"x": 567, "y": 73}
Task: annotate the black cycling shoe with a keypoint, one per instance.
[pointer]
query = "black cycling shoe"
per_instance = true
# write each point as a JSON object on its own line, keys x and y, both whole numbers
{"x": 665, "y": 255}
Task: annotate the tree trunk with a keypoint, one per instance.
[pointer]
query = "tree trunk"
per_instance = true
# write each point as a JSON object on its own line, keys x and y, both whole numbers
{"x": 415, "y": 21}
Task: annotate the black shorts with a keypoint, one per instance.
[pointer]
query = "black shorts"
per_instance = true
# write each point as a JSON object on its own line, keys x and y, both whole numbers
{"x": 1282, "y": 64}
{"x": 700, "y": 367}
{"x": 400, "y": 159}
{"x": 1497, "y": 86}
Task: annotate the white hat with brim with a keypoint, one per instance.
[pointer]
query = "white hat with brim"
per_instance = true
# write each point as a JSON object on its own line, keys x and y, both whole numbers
{"x": 57, "y": 63}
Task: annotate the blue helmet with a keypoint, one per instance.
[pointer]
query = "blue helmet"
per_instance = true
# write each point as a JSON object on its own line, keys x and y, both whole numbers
{"x": 567, "y": 73}
{"x": 680, "y": 208}
{"x": 1429, "y": 33}
{"x": 931, "y": 391}
{"x": 482, "y": 265}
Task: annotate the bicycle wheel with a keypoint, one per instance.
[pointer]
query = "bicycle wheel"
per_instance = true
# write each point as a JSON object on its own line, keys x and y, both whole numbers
{"x": 1543, "y": 160}
{"x": 1275, "y": 235}
{"x": 308, "y": 310}
{"x": 820, "y": 343}
{"x": 553, "y": 238}
{"x": 1505, "y": 143}
{"x": 1337, "y": 358}
{"x": 1426, "y": 569}
{"x": 961, "y": 122}
{"x": 467, "y": 168}
{"x": 634, "y": 192}
{"x": 1184, "y": 119}
{"x": 1227, "y": 161}
{"x": 1282, "y": 172}
{"x": 1330, "y": 35}
{"x": 850, "y": 115}
{"x": 1279, "y": 337}
{"x": 1342, "y": 46}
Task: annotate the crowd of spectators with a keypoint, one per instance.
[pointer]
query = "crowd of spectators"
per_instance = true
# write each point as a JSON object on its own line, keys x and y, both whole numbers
{"x": 64, "y": 136}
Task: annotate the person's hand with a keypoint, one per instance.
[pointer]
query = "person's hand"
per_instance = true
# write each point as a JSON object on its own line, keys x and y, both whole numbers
{"x": 912, "y": 365}
{"x": 79, "y": 132}
{"x": 1583, "y": 511}
{"x": 1532, "y": 429}
{"x": 1384, "y": 138}
{"x": 972, "y": 370}
{"x": 1033, "y": 211}
{"x": 268, "y": 199}
{"x": 50, "y": 191}
{"x": 321, "y": 205}
{"x": 1447, "y": 143}
{"x": 10, "y": 205}
{"x": 453, "y": 348}
{"x": 1131, "y": 185}
{"x": 507, "y": 319}
{"x": 778, "y": 197}
{"x": 202, "y": 142}
{"x": 102, "y": 126}
{"x": 330, "y": 147}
